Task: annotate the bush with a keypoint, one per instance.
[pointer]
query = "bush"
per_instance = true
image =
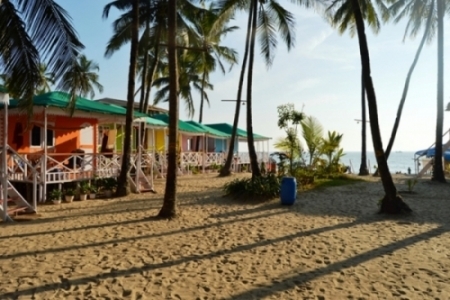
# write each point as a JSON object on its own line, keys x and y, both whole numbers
{"x": 261, "y": 188}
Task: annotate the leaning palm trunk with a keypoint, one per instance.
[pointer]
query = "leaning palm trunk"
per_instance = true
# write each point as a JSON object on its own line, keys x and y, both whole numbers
{"x": 169, "y": 209}
{"x": 200, "y": 115}
{"x": 256, "y": 172}
{"x": 122, "y": 184}
{"x": 392, "y": 202}
{"x": 152, "y": 71}
{"x": 438, "y": 170}
{"x": 408, "y": 79}
{"x": 143, "y": 83}
{"x": 225, "y": 171}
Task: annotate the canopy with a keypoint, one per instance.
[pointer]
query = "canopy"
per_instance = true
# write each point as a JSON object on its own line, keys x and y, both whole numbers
{"x": 228, "y": 129}
{"x": 210, "y": 131}
{"x": 182, "y": 126}
{"x": 61, "y": 100}
{"x": 431, "y": 153}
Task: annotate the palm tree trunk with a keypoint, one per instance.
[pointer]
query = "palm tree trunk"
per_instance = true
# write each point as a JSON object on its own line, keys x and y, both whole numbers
{"x": 169, "y": 208}
{"x": 438, "y": 170}
{"x": 363, "y": 171}
{"x": 152, "y": 70}
{"x": 408, "y": 79}
{"x": 144, "y": 72}
{"x": 256, "y": 172}
{"x": 392, "y": 202}
{"x": 122, "y": 184}
{"x": 200, "y": 115}
{"x": 225, "y": 171}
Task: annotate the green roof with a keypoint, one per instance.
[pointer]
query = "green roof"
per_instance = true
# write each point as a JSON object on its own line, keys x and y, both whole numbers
{"x": 153, "y": 122}
{"x": 228, "y": 129}
{"x": 209, "y": 130}
{"x": 61, "y": 100}
{"x": 182, "y": 126}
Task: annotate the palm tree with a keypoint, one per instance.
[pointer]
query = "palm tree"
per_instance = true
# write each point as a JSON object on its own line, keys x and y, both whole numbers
{"x": 169, "y": 208}
{"x": 189, "y": 79}
{"x": 47, "y": 79}
{"x": 122, "y": 183}
{"x": 421, "y": 11}
{"x": 31, "y": 30}
{"x": 312, "y": 132}
{"x": 342, "y": 17}
{"x": 82, "y": 79}
{"x": 417, "y": 10}
{"x": 268, "y": 16}
{"x": 210, "y": 30}
{"x": 392, "y": 201}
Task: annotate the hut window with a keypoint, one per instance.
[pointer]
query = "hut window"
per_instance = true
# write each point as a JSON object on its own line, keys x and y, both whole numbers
{"x": 37, "y": 137}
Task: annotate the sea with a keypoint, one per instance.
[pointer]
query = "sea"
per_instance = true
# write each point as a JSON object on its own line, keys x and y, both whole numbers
{"x": 398, "y": 161}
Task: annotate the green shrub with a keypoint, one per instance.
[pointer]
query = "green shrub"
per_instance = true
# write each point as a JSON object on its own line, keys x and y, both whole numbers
{"x": 261, "y": 188}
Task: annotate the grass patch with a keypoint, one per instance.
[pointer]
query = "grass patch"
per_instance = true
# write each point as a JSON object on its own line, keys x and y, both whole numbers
{"x": 324, "y": 183}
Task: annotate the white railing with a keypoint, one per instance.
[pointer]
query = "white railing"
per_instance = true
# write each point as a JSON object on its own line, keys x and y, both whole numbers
{"x": 66, "y": 167}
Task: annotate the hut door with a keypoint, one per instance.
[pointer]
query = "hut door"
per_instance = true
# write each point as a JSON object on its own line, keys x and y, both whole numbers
{"x": 87, "y": 142}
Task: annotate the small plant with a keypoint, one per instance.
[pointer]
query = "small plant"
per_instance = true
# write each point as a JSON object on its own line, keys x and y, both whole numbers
{"x": 261, "y": 188}
{"x": 69, "y": 192}
{"x": 244, "y": 168}
{"x": 55, "y": 194}
{"x": 93, "y": 189}
{"x": 411, "y": 183}
{"x": 84, "y": 188}
{"x": 109, "y": 184}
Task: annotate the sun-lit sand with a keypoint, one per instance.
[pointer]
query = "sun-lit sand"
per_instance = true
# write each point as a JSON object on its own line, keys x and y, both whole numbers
{"x": 330, "y": 245}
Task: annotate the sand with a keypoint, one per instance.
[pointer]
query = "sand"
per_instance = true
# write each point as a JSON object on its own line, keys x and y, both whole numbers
{"x": 330, "y": 245}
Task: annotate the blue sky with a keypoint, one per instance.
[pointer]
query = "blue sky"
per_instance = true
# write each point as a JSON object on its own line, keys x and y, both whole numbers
{"x": 322, "y": 73}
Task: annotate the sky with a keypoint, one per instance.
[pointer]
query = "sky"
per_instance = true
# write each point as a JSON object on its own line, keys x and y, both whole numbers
{"x": 320, "y": 75}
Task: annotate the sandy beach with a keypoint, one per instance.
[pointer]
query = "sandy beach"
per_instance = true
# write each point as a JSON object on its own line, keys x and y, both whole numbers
{"x": 330, "y": 245}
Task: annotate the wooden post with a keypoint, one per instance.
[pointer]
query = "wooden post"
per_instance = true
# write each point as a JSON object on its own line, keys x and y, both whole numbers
{"x": 44, "y": 165}
{"x": 5, "y": 99}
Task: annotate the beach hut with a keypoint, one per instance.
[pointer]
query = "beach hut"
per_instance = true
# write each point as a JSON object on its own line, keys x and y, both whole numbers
{"x": 261, "y": 143}
{"x": 55, "y": 147}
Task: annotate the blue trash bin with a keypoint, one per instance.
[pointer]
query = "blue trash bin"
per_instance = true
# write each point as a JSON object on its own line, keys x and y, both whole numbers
{"x": 288, "y": 192}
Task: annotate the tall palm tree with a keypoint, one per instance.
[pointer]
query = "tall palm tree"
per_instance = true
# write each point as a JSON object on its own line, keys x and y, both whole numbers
{"x": 189, "y": 79}
{"x": 341, "y": 15}
{"x": 392, "y": 201}
{"x": 211, "y": 29}
{"x": 169, "y": 208}
{"x": 262, "y": 20}
{"x": 31, "y": 30}
{"x": 417, "y": 10}
{"x": 122, "y": 183}
{"x": 82, "y": 79}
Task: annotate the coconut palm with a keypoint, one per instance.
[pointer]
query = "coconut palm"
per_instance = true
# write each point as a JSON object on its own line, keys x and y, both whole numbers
{"x": 340, "y": 14}
{"x": 427, "y": 36}
{"x": 392, "y": 201}
{"x": 189, "y": 79}
{"x": 47, "y": 79}
{"x": 82, "y": 79}
{"x": 29, "y": 31}
{"x": 420, "y": 12}
{"x": 210, "y": 31}
{"x": 263, "y": 19}
{"x": 169, "y": 208}
{"x": 122, "y": 183}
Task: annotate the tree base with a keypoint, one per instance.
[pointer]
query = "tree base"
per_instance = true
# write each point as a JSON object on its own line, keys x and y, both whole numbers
{"x": 394, "y": 206}
{"x": 224, "y": 172}
{"x": 167, "y": 213}
{"x": 123, "y": 192}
